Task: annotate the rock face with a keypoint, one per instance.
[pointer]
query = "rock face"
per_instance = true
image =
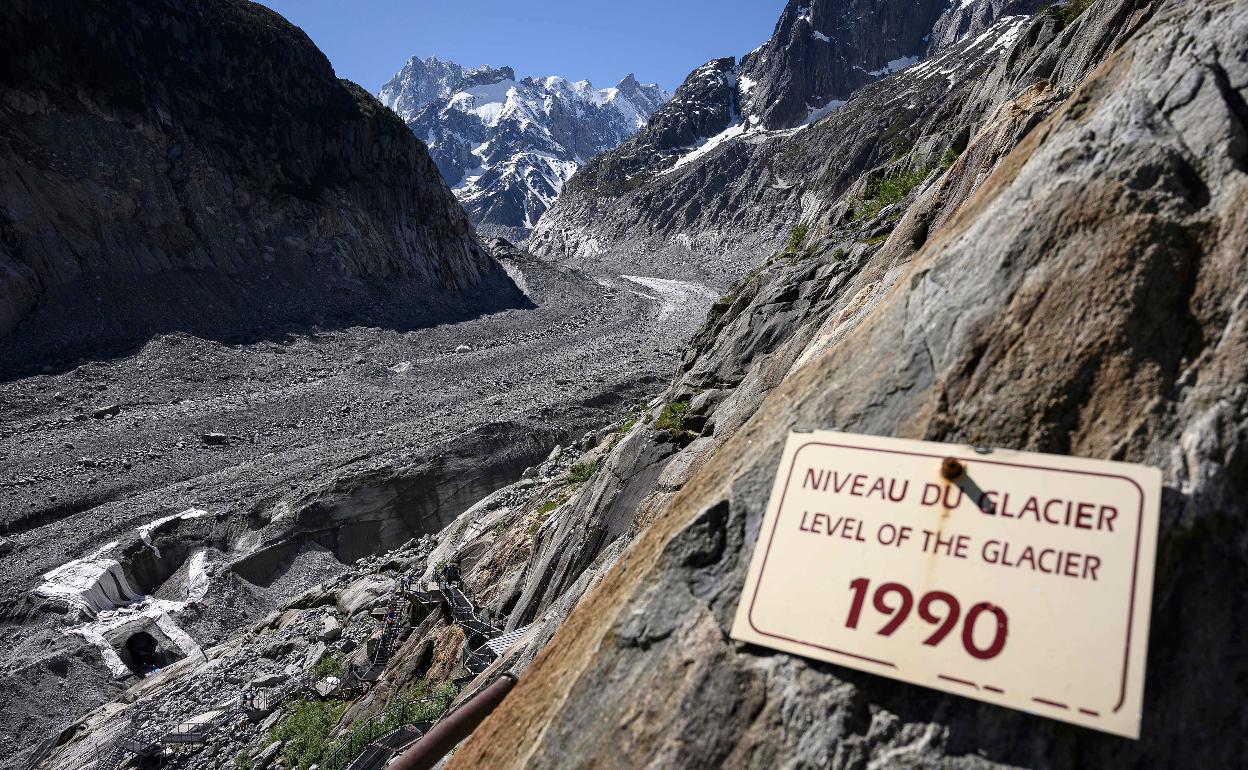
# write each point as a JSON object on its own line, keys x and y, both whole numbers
{"x": 967, "y": 19}
{"x": 705, "y": 105}
{"x": 507, "y": 146}
{"x": 1071, "y": 281}
{"x": 824, "y": 50}
{"x": 716, "y": 210}
{"x": 674, "y": 197}
{"x": 197, "y": 166}
{"x": 422, "y": 82}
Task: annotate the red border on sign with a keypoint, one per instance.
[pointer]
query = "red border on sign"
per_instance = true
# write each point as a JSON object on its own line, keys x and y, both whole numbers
{"x": 1135, "y": 565}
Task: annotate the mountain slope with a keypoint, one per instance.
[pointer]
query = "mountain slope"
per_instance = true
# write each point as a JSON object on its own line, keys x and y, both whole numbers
{"x": 507, "y": 146}
{"x": 1072, "y": 282}
{"x": 824, "y": 50}
{"x": 239, "y": 190}
{"x": 706, "y": 189}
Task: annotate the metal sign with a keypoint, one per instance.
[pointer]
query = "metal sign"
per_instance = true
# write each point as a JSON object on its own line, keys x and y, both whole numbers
{"x": 1019, "y": 579}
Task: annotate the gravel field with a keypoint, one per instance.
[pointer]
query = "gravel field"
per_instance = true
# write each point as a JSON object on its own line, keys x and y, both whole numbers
{"x": 249, "y": 433}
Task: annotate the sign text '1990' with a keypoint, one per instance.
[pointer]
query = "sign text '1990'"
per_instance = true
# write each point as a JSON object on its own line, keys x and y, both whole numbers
{"x": 945, "y": 622}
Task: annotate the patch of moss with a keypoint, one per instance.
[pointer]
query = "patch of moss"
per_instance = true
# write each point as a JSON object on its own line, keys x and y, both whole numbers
{"x": 543, "y": 511}
{"x": 545, "y": 508}
{"x": 304, "y": 731}
{"x": 581, "y": 472}
{"x": 672, "y": 418}
{"x": 796, "y": 237}
{"x": 330, "y": 665}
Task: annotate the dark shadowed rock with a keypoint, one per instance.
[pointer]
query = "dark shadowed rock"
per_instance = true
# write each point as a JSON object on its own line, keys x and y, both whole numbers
{"x": 194, "y": 166}
{"x": 824, "y": 50}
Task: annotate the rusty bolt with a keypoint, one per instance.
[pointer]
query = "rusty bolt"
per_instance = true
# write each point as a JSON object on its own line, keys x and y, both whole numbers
{"x": 951, "y": 469}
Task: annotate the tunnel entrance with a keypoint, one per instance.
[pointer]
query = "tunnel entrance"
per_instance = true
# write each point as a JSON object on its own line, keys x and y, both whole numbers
{"x": 143, "y": 654}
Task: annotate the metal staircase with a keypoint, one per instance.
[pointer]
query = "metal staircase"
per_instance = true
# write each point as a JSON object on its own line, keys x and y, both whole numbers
{"x": 395, "y": 624}
{"x": 478, "y": 655}
{"x": 370, "y": 745}
{"x": 267, "y": 700}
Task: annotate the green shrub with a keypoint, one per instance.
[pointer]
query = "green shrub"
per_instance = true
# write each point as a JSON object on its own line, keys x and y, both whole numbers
{"x": 627, "y": 425}
{"x": 304, "y": 731}
{"x": 889, "y": 190}
{"x": 1073, "y": 10}
{"x": 545, "y": 508}
{"x": 330, "y": 665}
{"x": 243, "y": 760}
{"x": 839, "y": 254}
{"x": 796, "y": 237}
{"x": 672, "y": 418}
{"x": 581, "y": 472}
{"x": 419, "y": 703}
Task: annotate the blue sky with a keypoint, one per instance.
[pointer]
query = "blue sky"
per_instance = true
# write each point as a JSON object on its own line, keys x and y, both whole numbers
{"x": 599, "y": 40}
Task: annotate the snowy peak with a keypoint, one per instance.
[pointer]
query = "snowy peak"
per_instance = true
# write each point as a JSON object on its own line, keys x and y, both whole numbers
{"x": 820, "y": 53}
{"x": 506, "y": 146}
{"x": 424, "y": 81}
{"x": 704, "y": 106}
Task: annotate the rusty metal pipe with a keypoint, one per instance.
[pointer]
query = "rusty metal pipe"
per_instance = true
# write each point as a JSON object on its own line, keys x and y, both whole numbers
{"x": 453, "y": 728}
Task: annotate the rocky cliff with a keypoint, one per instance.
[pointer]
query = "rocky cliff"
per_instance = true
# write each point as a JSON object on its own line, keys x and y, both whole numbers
{"x": 1069, "y": 278}
{"x": 1030, "y": 239}
{"x": 507, "y": 146}
{"x": 422, "y": 82}
{"x": 706, "y": 188}
{"x": 197, "y": 166}
{"x": 967, "y": 19}
{"x": 824, "y": 50}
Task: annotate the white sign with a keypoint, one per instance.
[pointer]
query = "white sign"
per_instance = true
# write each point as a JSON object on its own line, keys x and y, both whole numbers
{"x": 1024, "y": 582}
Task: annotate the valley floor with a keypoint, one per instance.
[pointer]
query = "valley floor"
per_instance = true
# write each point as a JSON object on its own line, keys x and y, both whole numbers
{"x": 92, "y": 454}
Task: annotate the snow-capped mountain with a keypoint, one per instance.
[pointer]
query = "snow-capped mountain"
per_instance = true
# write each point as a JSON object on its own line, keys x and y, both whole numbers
{"x": 507, "y": 146}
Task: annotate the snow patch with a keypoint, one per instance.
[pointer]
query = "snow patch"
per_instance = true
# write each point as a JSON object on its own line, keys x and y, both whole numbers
{"x": 818, "y": 112}
{"x": 708, "y": 146}
{"x": 114, "y": 623}
{"x": 92, "y": 584}
{"x": 197, "y": 576}
{"x": 894, "y": 65}
{"x": 670, "y": 292}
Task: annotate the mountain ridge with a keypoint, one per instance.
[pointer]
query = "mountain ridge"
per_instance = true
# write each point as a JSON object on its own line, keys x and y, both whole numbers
{"x": 507, "y": 145}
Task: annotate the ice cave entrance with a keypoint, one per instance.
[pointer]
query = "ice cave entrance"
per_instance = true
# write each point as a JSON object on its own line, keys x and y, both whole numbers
{"x": 143, "y": 654}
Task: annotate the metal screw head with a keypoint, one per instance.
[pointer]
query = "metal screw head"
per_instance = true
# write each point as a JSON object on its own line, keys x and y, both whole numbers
{"x": 952, "y": 469}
